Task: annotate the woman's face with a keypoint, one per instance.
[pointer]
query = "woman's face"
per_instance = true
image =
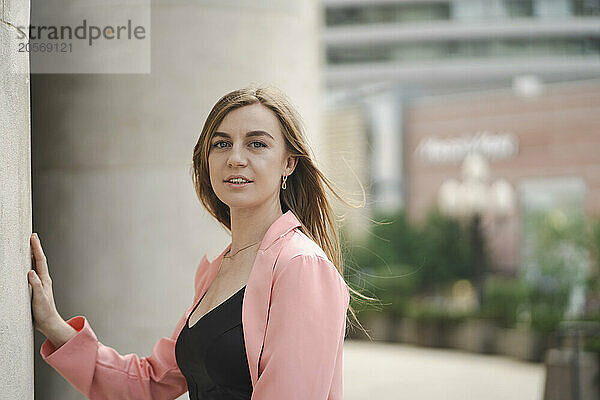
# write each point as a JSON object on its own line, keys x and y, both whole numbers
{"x": 248, "y": 143}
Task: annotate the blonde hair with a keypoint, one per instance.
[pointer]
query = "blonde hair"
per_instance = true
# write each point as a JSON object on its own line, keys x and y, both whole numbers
{"x": 305, "y": 192}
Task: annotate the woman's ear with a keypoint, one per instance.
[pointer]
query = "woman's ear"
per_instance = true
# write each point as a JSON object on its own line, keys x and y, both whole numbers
{"x": 291, "y": 164}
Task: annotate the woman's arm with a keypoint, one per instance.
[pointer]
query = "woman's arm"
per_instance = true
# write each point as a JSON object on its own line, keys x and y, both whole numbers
{"x": 59, "y": 332}
{"x": 100, "y": 372}
{"x": 301, "y": 357}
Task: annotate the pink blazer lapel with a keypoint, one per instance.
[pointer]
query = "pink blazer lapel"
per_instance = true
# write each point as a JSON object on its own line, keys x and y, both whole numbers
{"x": 257, "y": 296}
{"x": 255, "y": 308}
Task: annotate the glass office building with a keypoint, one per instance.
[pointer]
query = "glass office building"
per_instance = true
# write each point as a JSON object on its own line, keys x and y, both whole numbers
{"x": 445, "y": 45}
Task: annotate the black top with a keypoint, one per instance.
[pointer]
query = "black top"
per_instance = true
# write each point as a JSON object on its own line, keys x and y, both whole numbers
{"x": 212, "y": 355}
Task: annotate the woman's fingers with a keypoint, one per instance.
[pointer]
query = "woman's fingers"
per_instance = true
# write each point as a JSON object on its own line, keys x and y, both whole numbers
{"x": 41, "y": 266}
{"x": 33, "y": 279}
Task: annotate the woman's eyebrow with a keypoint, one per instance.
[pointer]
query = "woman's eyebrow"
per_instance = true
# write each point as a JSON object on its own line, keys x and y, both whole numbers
{"x": 248, "y": 134}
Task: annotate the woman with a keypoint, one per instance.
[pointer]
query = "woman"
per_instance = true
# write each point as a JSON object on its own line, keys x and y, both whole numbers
{"x": 269, "y": 314}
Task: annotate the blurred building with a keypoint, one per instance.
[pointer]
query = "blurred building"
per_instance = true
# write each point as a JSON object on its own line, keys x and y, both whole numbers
{"x": 345, "y": 126}
{"x": 545, "y": 145}
{"x": 446, "y": 74}
{"x": 454, "y": 45}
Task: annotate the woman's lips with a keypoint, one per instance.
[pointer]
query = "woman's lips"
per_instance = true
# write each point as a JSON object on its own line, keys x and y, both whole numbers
{"x": 237, "y": 185}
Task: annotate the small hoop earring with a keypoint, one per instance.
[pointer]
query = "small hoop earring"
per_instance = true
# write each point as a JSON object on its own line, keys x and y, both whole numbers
{"x": 283, "y": 186}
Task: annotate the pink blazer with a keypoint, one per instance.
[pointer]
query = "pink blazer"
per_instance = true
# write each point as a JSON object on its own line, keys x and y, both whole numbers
{"x": 294, "y": 323}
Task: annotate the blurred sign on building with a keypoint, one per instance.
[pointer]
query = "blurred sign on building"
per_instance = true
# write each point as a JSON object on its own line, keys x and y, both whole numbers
{"x": 492, "y": 145}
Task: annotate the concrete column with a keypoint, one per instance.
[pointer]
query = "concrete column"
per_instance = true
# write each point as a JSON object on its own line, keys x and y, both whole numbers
{"x": 16, "y": 330}
{"x": 386, "y": 114}
{"x": 114, "y": 201}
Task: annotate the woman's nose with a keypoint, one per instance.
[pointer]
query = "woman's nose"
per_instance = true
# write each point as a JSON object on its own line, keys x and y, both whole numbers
{"x": 236, "y": 157}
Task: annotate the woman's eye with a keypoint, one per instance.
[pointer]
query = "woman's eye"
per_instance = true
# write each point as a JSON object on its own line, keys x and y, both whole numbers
{"x": 216, "y": 144}
{"x": 260, "y": 143}
{"x": 252, "y": 144}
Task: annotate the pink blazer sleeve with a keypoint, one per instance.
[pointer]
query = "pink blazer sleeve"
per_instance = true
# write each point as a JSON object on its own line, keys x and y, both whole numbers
{"x": 302, "y": 353}
{"x": 99, "y": 372}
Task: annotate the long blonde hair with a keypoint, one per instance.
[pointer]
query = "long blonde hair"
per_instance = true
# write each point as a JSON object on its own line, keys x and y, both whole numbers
{"x": 305, "y": 192}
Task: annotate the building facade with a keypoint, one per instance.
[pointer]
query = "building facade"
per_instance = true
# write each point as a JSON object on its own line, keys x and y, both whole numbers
{"x": 453, "y": 45}
{"x": 405, "y": 50}
{"x": 546, "y": 146}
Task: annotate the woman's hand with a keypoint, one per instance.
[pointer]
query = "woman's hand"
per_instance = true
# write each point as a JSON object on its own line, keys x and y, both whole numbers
{"x": 45, "y": 315}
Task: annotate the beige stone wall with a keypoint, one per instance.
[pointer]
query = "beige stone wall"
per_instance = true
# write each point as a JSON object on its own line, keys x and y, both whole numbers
{"x": 16, "y": 331}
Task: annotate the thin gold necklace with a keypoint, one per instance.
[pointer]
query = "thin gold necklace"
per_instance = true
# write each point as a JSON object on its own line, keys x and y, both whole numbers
{"x": 240, "y": 250}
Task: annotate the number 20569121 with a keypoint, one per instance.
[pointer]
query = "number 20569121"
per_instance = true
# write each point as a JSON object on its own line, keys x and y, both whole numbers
{"x": 60, "y": 47}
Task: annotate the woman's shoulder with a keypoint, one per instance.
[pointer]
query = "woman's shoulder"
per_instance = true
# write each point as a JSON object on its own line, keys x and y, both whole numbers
{"x": 304, "y": 259}
{"x": 301, "y": 249}
{"x": 300, "y": 245}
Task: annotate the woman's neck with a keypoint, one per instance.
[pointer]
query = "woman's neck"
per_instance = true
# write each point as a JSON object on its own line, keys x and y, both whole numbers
{"x": 250, "y": 225}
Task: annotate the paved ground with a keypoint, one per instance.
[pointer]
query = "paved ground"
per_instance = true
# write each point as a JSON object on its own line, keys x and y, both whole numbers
{"x": 383, "y": 371}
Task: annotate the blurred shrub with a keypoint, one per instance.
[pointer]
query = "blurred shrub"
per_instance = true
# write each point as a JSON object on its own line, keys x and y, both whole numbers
{"x": 400, "y": 260}
{"x": 593, "y": 279}
{"x": 401, "y": 264}
{"x": 382, "y": 266}
{"x": 503, "y": 298}
{"x": 427, "y": 312}
{"x": 555, "y": 267}
{"x": 592, "y": 344}
{"x": 443, "y": 252}
{"x": 391, "y": 241}
{"x": 394, "y": 286}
